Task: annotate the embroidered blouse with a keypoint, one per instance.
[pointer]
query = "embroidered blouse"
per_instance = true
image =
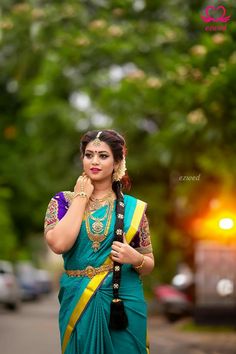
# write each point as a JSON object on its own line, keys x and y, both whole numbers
{"x": 60, "y": 203}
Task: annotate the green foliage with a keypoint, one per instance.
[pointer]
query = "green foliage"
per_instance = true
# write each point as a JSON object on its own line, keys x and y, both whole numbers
{"x": 8, "y": 239}
{"x": 148, "y": 69}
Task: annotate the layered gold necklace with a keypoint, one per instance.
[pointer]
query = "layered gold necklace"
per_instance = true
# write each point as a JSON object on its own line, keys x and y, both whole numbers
{"x": 99, "y": 231}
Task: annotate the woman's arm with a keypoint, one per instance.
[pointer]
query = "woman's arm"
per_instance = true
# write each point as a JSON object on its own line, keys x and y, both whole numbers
{"x": 138, "y": 253}
{"x": 63, "y": 236}
{"x": 145, "y": 264}
{"x": 124, "y": 253}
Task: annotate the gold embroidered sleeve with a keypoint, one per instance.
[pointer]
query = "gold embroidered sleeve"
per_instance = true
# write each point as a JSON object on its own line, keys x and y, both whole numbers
{"x": 56, "y": 209}
{"x": 51, "y": 217}
{"x": 142, "y": 240}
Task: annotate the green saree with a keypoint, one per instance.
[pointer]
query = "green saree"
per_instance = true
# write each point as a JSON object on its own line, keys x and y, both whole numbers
{"x": 85, "y": 302}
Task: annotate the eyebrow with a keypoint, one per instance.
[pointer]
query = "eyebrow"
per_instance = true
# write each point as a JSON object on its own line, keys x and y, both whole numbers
{"x": 106, "y": 152}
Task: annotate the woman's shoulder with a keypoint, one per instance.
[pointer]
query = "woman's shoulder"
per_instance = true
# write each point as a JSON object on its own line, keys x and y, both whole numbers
{"x": 131, "y": 199}
{"x": 64, "y": 197}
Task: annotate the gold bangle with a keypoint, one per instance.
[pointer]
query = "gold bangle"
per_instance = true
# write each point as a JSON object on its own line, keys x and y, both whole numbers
{"x": 80, "y": 194}
{"x": 141, "y": 264}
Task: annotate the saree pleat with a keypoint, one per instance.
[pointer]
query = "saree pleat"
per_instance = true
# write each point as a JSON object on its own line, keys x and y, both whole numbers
{"x": 68, "y": 296}
{"x": 93, "y": 334}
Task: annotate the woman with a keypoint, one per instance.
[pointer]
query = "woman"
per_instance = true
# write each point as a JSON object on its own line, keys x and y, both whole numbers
{"x": 103, "y": 236}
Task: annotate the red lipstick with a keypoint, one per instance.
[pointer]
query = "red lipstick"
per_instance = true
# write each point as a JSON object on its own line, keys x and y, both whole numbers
{"x": 95, "y": 170}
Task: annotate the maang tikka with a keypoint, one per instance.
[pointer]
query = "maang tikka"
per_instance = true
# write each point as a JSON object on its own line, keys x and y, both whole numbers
{"x": 97, "y": 141}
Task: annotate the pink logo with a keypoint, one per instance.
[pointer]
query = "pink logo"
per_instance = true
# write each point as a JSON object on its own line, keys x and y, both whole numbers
{"x": 215, "y": 14}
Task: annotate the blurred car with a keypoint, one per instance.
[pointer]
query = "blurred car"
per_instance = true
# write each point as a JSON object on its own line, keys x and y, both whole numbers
{"x": 172, "y": 303}
{"x": 176, "y": 300}
{"x": 9, "y": 287}
{"x": 44, "y": 281}
{"x": 28, "y": 280}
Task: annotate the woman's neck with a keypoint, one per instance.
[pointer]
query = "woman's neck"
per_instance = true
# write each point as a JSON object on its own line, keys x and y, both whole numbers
{"x": 101, "y": 189}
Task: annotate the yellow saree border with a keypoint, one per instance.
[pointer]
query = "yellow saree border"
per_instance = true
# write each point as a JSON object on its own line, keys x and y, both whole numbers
{"x": 96, "y": 281}
{"x": 147, "y": 343}
{"x": 136, "y": 219}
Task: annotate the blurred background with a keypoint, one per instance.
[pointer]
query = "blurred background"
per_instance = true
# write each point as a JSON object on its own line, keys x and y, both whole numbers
{"x": 157, "y": 73}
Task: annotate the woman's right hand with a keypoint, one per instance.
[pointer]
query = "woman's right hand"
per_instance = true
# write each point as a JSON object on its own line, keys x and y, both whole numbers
{"x": 84, "y": 184}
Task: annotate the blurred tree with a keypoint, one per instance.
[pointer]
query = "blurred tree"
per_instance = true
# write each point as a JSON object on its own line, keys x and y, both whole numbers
{"x": 8, "y": 237}
{"x": 146, "y": 68}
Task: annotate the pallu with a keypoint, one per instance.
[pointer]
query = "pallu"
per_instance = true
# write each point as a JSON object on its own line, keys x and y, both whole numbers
{"x": 85, "y": 302}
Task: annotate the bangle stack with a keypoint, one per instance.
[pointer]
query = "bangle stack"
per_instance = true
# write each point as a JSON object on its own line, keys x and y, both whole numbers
{"x": 140, "y": 266}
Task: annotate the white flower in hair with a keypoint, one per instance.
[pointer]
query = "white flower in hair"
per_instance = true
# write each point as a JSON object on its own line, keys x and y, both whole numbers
{"x": 120, "y": 172}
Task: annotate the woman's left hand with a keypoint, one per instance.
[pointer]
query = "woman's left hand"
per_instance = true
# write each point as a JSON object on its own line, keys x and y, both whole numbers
{"x": 124, "y": 253}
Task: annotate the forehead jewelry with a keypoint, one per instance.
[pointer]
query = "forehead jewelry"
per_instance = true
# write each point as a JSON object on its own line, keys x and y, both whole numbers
{"x": 97, "y": 141}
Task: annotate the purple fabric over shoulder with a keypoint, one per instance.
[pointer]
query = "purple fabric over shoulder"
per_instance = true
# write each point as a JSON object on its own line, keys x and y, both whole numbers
{"x": 57, "y": 208}
{"x": 62, "y": 205}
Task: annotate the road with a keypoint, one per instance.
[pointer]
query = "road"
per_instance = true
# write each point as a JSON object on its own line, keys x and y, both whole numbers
{"x": 34, "y": 330}
{"x": 166, "y": 338}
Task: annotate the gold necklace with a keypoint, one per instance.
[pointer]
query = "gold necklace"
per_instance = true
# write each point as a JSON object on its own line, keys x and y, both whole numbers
{"x": 96, "y": 203}
{"x": 97, "y": 227}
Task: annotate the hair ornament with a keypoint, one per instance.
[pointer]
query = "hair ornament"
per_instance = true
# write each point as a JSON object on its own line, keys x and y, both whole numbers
{"x": 120, "y": 172}
{"x": 97, "y": 141}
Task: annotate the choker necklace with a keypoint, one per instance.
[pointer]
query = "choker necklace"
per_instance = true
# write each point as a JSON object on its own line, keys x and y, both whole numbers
{"x": 96, "y": 203}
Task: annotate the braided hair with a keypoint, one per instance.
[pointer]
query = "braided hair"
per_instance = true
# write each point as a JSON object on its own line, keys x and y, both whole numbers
{"x": 118, "y": 318}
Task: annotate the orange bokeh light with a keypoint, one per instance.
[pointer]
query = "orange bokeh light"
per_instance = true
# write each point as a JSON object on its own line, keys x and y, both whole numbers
{"x": 219, "y": 226}
{"x": 226, "y": 223}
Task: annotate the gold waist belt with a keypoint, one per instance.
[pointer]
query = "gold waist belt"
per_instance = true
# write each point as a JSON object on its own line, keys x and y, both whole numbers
{"x": 89, "y": 271}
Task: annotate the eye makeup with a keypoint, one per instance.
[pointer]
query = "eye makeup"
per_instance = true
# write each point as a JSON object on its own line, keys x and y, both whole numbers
{"x": 102, "y": 154}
